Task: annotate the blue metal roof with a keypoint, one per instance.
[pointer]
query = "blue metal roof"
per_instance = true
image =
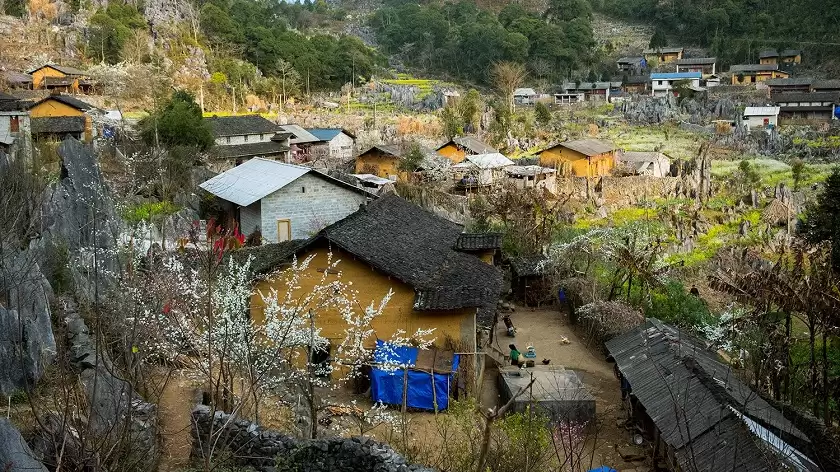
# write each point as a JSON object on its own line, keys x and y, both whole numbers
{"x": 324, "y": 134}
{"x": 675, "y": 75}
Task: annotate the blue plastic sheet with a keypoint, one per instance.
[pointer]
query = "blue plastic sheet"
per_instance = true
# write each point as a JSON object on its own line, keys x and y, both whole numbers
{"x": 387, "y": 386}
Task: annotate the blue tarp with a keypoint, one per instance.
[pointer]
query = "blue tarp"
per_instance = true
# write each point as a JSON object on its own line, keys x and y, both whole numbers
{"x": 603, "y": 468}
{"x": 387, "y": 386}
{"x": 837, "y": 112}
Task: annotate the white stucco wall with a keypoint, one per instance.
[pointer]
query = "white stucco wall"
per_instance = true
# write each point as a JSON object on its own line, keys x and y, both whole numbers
{"x": 310, "y": 203}
{"x": 342, "y": 146}
{"x": 241, "y": 139}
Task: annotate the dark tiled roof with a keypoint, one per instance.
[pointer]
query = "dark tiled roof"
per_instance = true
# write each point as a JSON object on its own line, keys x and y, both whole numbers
{"x": 241, "y": 125}
{"x": 269, "y": 148}
{"x": 58, "y": 124}
{"x": 431, "y": 158}
{"x": 753, "y": 68}
{"x": 790, "y": 52}
{"x": 768, "y": 53}
{"x": 663, "y": 50}
{"x": 69, "y": 101}
{"x": 630, "y": 60}
{"x": 415, "y": 246}
{"x": 14, "y": 77}
{"x": 478, "y": 241}
{"x": 826, "y": 84}
{"x": 690, "y": 396}
{"x": 63, "y": 69}
{"x": 637, "y": 79}
{"x": 696, "y": 61}
{"x": 798, "y": 81}
{"x": 805, "y": 97}
{"x": 10, "y": 103}
{"x": 471, "y": 144}
{"x": 268, "y": 257}
{"x": 530, "y": 265}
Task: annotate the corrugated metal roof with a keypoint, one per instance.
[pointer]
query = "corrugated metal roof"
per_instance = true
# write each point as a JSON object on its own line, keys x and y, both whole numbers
{"x": 486, "y": 161}
{"x": 301, "y": 136}
{"x": 675, "y": 75}
{"x": 327, "y": 134}
{"x": 374, "y": 179}
{"x": 761, "y": 111}
{"x": 253, "y": 180}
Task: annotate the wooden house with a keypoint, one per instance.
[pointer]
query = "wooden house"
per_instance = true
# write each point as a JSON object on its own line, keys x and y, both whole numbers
{"x": 663, "y": 55}
{"x": 283, "y": 201}
{"x": 799, "y": 84}
{"x": 745, "y": 74}
{"x": 717, "y": 421}
{"x": 704, "y": 65}
{"x": 798, "y": 107}
{"x": 461, "y": 146}
{"x": 636, "y": 84}
{"x": 240, "y": 138}
{"x": 768, "y": 56}
{"x": 831, "y": 85}
{"x": 58, "y": 116}
{"x": 580, "y": 158}
{"x": 62, "y": 79}
{"x": 384, "y": 161}
{"x": 633, "y": 65}
{"x": 437, "y": 278}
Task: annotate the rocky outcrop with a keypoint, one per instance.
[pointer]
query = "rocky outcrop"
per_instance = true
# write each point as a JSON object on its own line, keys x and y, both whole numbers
{"x": 250, "y": 445}
{"x": 78, "y": 214}
{"x": 651, "y": 110}
{"x": 15, "y": 455}
{"x": 27, "y": 344}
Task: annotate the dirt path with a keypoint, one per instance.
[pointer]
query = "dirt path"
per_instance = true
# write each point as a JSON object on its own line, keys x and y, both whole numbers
{"x": 174, "y": 407}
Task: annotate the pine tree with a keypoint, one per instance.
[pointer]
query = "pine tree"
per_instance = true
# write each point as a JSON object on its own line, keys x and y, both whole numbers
{"x": 821, "y": 222}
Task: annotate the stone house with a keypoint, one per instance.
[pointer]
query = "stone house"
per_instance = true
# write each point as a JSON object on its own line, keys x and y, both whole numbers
{"x": 439, "y": 276}
{"x": 240, "y": 138}
{"x": 333, "y": 143}
{"x": 594, "y": 91}
{"x": 580, "y": 158}
{"x": 58, "y": 116}
{"x": 525, "y": 96}
{"x": 531, "y": 176}
{"x": 15, "y": 128}
{"x": 61, "y": 79}
{"x": 459, "y": 147}
{"x": 283, "y": 201}
{"x": 16, "y": 80}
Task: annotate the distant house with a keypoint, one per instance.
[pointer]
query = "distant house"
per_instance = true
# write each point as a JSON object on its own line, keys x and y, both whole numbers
{"x": 568, "y": 98}
{"x": 710, "y": 81}
{"x": 700, "y": 414}
{"x": 301, "y": 142}
{"x": 15, "y": 128}
{"x": 768, "y": 56}
{"x": 525, "y": 96}
{"x": 283, "y": 201}
{"x": 593, "y": 90}
{"x": 806, "y": 107}
{"x": 239, "y": 138}
{"x": 654, "y": 164}
{"x": 333, "y": 143}
{"x": 751, "y": 73}
{"x": 16, "y": 80}
{"x": 373, "y": 183}
{"x": 636, "y": 84}
{"x": 58, "y": 116}
{"x": 799, "y": 84}
{"x": 480, "y": 170}
{"x": 62, "y": 79}
{"x": 631, "y": 64}
{"x": 704, "y": 65}
{"x": 581, "y": 158}
{"x": 791, "y": 56}
{"x": 826, "y": 86}
{"x": 760, "y": 117}
{"x": 393, "y": 246}
{"x": 663, "y": 55}
{"x": 461, "y": 146}
{"x": 531, "y": 177}
{"x": 662, "y": 84}
{"x": 384, "y": 161}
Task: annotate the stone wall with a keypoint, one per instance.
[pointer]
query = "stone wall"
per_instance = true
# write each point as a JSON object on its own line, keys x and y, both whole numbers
{"x": 250, "y": 445}
{"x": 324, "y": 203}
{"x": 618, "y": 190}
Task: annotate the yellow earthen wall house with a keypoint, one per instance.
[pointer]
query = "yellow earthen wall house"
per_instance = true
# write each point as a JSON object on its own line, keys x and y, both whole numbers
{"x": 751, "y": 77}
{"x": 379, "y": 163}
{"x": 579, "y": 162}
{"x": 52, "y": 107}
{"x": 453, "y": 153}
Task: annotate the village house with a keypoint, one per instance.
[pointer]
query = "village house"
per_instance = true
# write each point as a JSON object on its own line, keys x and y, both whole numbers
{"x": 16, "y": 80}
{"x": 59, "y": 116}
{"x": 826, "y": 86}
{"x": 593, "y": 90}
{"x": 580, "y": 158}
{"x": 532, "y": 176}
{"x": 433, "y": 269}
{"x": 703, "y": 65}
{"x": 480, "y": 170}
{"x": 787, "y": 56}
{"x": 636, "y": 84}
{"x": 768, "y": 56}
{"x": 300, "y": 142}
{"x": 710, "y": 81}
{"x": 654, "y": 164}
{"x": 743, "y": 74}
{"x": 333, "y": 143}
{"x": 633, "y": 65}
{"x": 525, "y": 96}
{"x": 663, "y": 55}
{"x": 283, "y": 201}
{"x": 15, "y": 130}
{"x": 697, "y": 411}
{"x": 384, "y": 161}
{"x": 760, "y": 118}
{"x": 374, "y": 184}
{"x": 806, "y": 107}
{"x": 662, "y": 84}
{"x": 62, "y": 79}
{"x": 799, "y": 84}
{"x": 791, "y": 56}
{"x": 461, "y": 146}
{"x": 239, "y": 138}
{"x": 568, "y": 98}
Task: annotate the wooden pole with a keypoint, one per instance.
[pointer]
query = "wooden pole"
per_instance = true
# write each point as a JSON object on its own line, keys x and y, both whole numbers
{"x": 434, "y": 391}
{"x": 405, "y": 389}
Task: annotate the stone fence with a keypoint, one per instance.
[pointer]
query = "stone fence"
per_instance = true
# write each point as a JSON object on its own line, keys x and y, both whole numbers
{"x": 250, "y": 445}
{"x": 619, "y": 190}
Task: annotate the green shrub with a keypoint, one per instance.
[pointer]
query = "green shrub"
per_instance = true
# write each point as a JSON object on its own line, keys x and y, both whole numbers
{"x": 673, "y": 304}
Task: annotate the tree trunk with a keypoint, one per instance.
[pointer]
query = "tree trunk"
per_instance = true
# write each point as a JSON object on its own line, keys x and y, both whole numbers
{"x": 787, "y": 357}
{"x": 811, "y": 345}
{"x": 826, "y": 415}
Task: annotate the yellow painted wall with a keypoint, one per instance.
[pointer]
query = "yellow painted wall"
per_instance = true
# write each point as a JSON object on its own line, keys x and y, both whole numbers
{"x": 797, "y": 59}
{"x": 753, "y": 77}
{"x": 39, "y": 75}
{"x": 385, "y": 165}
{"x": 53, "y": 108}
{"x": 372, "y": 285}
{"x": 769, "y": 60}
{"x": 451, "y": 152}
{"x": 577, "y": 164}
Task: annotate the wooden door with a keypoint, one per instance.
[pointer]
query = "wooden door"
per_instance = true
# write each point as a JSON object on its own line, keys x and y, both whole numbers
{"x": 284, "y": 230}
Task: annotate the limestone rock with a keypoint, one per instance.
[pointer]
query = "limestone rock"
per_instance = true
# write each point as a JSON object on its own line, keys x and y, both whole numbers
{"x": 15, "y": 455}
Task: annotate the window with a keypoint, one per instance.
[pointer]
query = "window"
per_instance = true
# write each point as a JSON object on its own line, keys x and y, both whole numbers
{"x": 261, "y": 136}
{"x": 284, "y": 230}
{"x": 227, "y": 139}
{"x": 14, "y": 124}
{"x": 246, "y": 138}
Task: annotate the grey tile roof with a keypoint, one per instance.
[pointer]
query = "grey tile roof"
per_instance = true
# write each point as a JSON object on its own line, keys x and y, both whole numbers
{"x": 753, "y": 68}
{"x": 240, "y": 125}
{"x": 529, "y": 265}
{"x": 270, "y": 148}
{"x": 663, "y": 50}
{"x": 417, "y": 247}
{"x": 68, "y": 100}
{"x": 299, "y": 135}
{"x": 826, "y": 84}
{"x": 431, "y": 158}
{"x": 790, "y": 52}
{"x": 478, "y": 241}
{"x": 14, "y": 77}
{"x": 588, "y": 147}
{"x": 805, "y": 97}
{"x": 798, "y": 81}
{"x": 767, "y": 53}
{"x": 471, "y": 144}
{"x": 630, "y": 60}
{"x": 690, "y": 396}
{"x": 696, "y": 61}
{"x": 268, "y": 257}
{"x": 63, "y": 69}
{"x": 58, "y": 124}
